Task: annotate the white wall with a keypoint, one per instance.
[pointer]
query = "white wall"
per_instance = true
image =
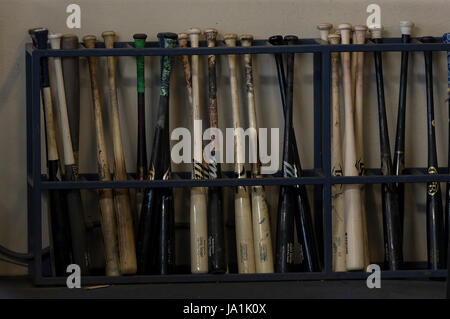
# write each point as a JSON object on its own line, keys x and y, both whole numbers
{"x": 258, "y": 17}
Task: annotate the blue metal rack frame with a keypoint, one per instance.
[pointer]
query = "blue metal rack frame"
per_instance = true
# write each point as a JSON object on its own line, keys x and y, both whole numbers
{"x": 320, "y": 176}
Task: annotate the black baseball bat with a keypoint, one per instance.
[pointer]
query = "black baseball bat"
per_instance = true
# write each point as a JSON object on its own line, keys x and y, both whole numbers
{"x": 399, "y": 153}
{"x": 302, "y": 215}
{"x": 155, "y": 244}
{"x": 446, "y": 39}
{"x": 390, "y": 208}
{"x": 435, "y": 220}
{"x": 59, "y": 221}
{"x": 216, "y": 228}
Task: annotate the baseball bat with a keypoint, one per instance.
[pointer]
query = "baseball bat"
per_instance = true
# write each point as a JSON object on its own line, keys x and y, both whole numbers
{"x": 165, "y": 261}
{"x": 71, "y": 75}
{"x": 262, "y": 238}
{"x": 124, "y": 217}
{"x": 337, "y": 190}
{"x": 302, "y": 217}
{"x": 242, "y": 204}
{"x": 106, "y": 199}
{"x": 59, "y": 221}
{"x": 141, "y": 165}
{"x": 324, "y": 30}
{"x": 435, "y": 220}
{"x": 446, "y": 39}
{"x": 157, "y": 244}
{"x": 74, "y": 206}
{"x": 399, "y": 150}
{"x": 216, "y": 227}
{"x": 359, "y": 37}
{"x": 183, "y": 43}
{"x": 352, "y": 192}
{"x": 391, "y": 216}
{"x": 198, "y": 211}
{"x": 285, "y": 217}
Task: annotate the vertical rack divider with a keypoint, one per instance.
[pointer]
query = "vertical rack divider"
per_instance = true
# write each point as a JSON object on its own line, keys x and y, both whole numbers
{"x": 328, "y": 249}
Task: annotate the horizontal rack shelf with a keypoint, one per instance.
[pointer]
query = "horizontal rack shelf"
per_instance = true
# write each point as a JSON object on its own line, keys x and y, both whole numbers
{"x": 311, "y": 177}
{"x": 259, "y": 47}
{"x": 197, "y": 278}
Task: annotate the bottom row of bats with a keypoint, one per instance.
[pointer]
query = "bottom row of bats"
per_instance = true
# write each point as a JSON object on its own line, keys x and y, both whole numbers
{"x": 152, "y": 250}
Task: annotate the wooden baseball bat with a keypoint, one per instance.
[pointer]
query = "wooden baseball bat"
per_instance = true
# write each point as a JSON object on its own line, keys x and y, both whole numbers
{"x": 435, "y": 218}
{"x": 124, "y": 217}
{"x": 198, "y": 212}
{"x": 302, "y": 216}
{"x": 71, "y": 75}
{"x": 74, "y": 205}
{"x": 108, "y": 220}
{"x": 141, "y": 165}
{"x": 391, "y": 216}
{"x": 216, "y": 227}
{"x": 337, "y": 190}
{"x": 446, "y": 39}
{"x": 60, "y": 236}
{"x": 399, "y": 153}
{"x": 183, "y": 43}
{"x": 359, "y": 37}
{"x": 262, "y": 238}
{"x": 155, "y": 245}
{"x": 352, "y": 192}
{"x": 242, "y": 205}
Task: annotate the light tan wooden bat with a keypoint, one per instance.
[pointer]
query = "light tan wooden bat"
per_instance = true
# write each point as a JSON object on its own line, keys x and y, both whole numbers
{"x": 359, "y": 37}
{"x": 198, "y": 214}
{"x": 262, "y": 238}
{"x": 106, "y": 195}
{"x": 352, "y": 192}
{"x": 125, "y": 228}
{"x": 337, "y": 190}
{"x": 242, "y": 206}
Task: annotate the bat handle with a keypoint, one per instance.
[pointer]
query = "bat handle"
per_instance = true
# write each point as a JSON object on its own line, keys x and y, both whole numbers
{"x": 41, "y": 39}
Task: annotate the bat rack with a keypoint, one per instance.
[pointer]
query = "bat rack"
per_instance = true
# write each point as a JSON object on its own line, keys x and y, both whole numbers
{"x": 320, "y": 177}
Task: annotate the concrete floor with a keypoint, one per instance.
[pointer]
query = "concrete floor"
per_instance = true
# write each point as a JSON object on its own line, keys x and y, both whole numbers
{"x": 21, "y": 287}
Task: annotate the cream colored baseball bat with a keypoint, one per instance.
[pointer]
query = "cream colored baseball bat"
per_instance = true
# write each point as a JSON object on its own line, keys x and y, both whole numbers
{"x": 359, "y": 37}
{"x": 198, "y": 214}
{"x": 262, "y": 238}
{"x": 106, "y": 195}
{"x": 125, "y": 225}
{"x": 337, "y": 190}
{"x": 352, "y": 192}
{"x": 242, "y": 206}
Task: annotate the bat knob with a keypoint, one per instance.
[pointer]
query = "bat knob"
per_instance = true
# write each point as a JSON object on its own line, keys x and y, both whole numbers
{"x": 345, "y": 30}
{"x": 41, "y": 36}
{"x": 446, "y": 38}
{"x": 276, "y": 40}
{"x": 376, "y": 32}
{"x": 139, "y": 40}
{"x": 89, "y": 41}
{"x": 211, "y": 34}
{"x": 230, "y": 39}
{"x": 324, "y": 26}
{"x": 334, "y": 38}
{"x": 427, "y": 39}
{"x": 139, "y": 36}
{"x": 324, "y": 29}
{"x": 360, "y": 33}
{"x": 291, "y": 39}
{"x": 55, "y": 41}
{"x": 167, "y": 39}
{"x": 246, "y": 40}
{"x": 406, "y": 27}
{"x": 69, "y": 41}
{"x": 167, "y": 35}
{"x": 109, "y": 37}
